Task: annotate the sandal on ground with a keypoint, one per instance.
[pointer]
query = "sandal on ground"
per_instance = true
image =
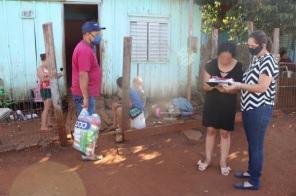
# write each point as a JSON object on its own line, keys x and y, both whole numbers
{"x": 245, "y": 186}
{"x": 92, "y": 158}
{"x": 242, "y": 174}
{"x": 225, "y": 171}
{"x": 202, "y": 166}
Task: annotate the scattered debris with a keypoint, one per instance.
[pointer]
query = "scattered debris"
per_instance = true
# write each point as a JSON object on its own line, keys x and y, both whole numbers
{"x": 18, "y": 115}
{"x": 4, "y": 113}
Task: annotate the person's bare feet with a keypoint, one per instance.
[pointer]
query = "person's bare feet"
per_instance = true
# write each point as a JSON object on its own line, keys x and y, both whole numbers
{"x": 112, "y": 128}
{"x": 44, "y": 129}
{"x": 52, "y": 125}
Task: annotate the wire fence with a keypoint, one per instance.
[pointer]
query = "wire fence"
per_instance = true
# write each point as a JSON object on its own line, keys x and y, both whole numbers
{"x": 20, "y": 121}
{"x": 286, "y": 94}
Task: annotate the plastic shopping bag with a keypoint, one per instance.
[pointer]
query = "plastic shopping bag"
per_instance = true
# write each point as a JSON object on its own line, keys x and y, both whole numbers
{"x": 86, "y": 132}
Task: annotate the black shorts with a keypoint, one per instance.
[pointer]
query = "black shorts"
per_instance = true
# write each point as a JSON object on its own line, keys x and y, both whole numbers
{"x": 45, "y": 93}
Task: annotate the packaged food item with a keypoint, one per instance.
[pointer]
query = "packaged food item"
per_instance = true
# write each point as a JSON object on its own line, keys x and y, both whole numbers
{"x": 86, "y": 132}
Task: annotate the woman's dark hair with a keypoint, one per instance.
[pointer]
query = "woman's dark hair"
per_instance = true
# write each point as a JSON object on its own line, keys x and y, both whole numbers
{"x": 43, "y": 56}
{"x": 119, "y": 82}
{"x": 261, "y": 38}
{"x": 283, "y": 51}
{"x": 227, "y": 47}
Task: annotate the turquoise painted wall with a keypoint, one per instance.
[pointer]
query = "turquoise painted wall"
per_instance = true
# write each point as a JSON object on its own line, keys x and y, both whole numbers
{"x": 22, "y": 41}
{"x": 159, "y": 79}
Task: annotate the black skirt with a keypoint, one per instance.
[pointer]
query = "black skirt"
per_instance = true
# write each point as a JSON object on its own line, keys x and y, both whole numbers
{"x": 220, "y": 108}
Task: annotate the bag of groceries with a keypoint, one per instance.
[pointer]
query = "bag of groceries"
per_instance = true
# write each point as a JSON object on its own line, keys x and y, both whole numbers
{"x": 86, "y": 132}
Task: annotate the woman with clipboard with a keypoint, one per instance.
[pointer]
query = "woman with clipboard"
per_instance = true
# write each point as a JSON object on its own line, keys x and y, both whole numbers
{"x": 220, "y": 106}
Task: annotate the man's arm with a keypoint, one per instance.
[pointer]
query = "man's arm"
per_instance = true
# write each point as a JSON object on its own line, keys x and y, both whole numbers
{"x": 83, "y": 82}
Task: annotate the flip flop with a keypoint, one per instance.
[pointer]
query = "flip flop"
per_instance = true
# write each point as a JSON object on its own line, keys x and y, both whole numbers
{"x": 245, "y": 186}
{"x": 92, "y": 158}
{"x": 242, "y": 175}
{"x": 201, "y": 166}
{"x": 225, "y": 171}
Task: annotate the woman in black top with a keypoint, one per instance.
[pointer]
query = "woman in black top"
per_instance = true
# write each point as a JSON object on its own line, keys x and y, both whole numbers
{"x": 220, "y": 106}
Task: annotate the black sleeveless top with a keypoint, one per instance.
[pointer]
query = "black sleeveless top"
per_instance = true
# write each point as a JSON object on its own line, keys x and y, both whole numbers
{"x": 220, "y": 108}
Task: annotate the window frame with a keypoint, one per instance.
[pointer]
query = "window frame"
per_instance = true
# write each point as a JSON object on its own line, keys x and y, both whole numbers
{"x": 152, "y": 19}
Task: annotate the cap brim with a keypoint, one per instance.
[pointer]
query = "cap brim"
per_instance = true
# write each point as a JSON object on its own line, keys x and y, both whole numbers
{"x": 99, "y": 29}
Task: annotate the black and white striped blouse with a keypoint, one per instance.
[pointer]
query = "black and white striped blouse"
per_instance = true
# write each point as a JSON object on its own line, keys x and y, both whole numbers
{"x": 260, "y": 65}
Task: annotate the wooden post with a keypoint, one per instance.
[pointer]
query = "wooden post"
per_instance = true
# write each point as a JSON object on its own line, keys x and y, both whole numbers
{"x": 276, "y": 42}
{"x": 214, "y": 42}
{"x": 250, "y": 27}
{"x": 55, "y": 91}
{"x": 126, "y": 72}
{"x": 190, "y": 52}
{"x": 250, "y": 30}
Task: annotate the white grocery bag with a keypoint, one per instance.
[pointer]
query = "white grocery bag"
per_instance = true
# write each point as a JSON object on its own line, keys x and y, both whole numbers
{"x": 139, "y": 122}
{"x": 86, "y": 132}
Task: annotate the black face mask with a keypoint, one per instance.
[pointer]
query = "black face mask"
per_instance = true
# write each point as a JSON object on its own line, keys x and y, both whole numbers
{"x": 255, "y": 51}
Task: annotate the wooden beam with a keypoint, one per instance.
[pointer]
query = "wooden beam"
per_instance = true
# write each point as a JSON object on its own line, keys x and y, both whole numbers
{"x": 214, "y": 43}
{"x": 276, "y": 42}
{"x": 190, "y": 52}
{"x": 250, "y": 30}
{"x": 250, "y": 27}
{"x": 160, "y": 129}
{"x": 126, "y": 72}
{"x": 55, "y": 91}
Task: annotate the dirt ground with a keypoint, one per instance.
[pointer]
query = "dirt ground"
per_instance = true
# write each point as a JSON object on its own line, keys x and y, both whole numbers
{"x": 153, "y": 165}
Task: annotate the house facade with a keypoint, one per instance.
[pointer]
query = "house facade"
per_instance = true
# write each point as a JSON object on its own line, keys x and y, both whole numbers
{"x": 159, "y": 31}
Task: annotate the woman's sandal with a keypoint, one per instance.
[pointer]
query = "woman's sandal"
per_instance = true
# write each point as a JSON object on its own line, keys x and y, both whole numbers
{"x": 242, "y": 175}
{"x": 225, "y": 171}
{"x": 202, "y": 166}
{"x": 245, "y": 186}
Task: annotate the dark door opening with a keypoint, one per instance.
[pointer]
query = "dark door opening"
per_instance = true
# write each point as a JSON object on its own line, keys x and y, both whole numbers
{"x": 75, "y": 15}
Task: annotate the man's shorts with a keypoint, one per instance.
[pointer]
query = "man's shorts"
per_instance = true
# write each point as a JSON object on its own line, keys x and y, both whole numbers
{"x": 78, "y": 100}
{"x": 45, "y": 93}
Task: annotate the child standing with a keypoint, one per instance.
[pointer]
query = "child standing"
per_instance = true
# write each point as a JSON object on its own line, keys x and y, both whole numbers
{"x": 44, "y": 84}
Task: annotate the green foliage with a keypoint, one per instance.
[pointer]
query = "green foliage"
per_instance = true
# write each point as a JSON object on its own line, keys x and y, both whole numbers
{"x": 232, "y": 15}
{"x": 6, "y": 103}
{"x": 223, "y": 15}
{"x": 269, "y": 14}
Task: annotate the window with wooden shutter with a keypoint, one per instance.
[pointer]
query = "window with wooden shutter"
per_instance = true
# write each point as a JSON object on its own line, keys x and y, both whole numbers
{"x": 150, "y": 41}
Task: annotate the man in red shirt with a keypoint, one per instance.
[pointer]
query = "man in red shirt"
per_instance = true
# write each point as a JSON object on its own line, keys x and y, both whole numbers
{"x": 86, "y": 71}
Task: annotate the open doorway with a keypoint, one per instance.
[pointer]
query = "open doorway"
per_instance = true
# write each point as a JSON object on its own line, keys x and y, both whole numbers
{"x": 75, "y": 15}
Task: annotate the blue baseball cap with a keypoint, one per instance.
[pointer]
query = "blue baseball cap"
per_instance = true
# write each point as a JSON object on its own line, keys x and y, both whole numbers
{"x": 91, "y": 26}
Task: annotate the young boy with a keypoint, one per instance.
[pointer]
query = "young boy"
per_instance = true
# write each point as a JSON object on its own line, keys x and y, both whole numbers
{"x": 137, "y": 105}
{"x": 44, "y": 83}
